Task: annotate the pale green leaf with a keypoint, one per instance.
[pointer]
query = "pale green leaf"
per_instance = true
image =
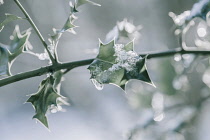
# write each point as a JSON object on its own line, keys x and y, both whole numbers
{"x": 9, "y": 18}
{"x": 9, "y": 53}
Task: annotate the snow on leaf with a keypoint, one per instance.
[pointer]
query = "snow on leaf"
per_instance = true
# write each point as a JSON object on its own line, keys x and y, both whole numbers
{"x": 9, "y": 18}
{"x": 116, "y": 64}
{"x": 48, "y": 97}
{"x": 9, "y": 53}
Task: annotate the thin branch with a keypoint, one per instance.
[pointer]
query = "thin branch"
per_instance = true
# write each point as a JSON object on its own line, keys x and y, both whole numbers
{"x": 70, "y": 65}
{"x": 36, "y": 29}
{"x": 42, "y": 71}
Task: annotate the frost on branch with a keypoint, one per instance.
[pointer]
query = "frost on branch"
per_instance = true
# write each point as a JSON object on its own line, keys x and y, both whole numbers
{"x": 9, "y": 53}
{"x": 48, "y": 97}
{"x": 117, "y": 64}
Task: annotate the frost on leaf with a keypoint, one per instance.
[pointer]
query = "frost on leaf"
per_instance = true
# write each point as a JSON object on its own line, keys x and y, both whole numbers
{"x": 9, "y": 18}
{"x": 9, "y": 53}
{"x": 117, "y": 64}
{"x": 48, "y": 97}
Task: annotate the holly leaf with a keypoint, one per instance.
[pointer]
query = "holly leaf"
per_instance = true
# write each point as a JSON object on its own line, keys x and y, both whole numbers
{"x": 47, "y": 97}
{"x": 9, "y": 53}
{"x": 117, "y": 64}
{"x": 9, "y": 18}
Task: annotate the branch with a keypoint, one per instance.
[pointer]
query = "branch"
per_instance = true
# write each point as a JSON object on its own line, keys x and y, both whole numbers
{"x": 70, "y": 65}
{"x": 42, "y": 71}
{"x": 36, "y": 29}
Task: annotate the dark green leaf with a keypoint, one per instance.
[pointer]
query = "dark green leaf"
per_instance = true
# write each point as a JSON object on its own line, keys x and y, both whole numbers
{"x": 116, "y": 64}
{"x": 9, "y": 18}
{"x": 48, "y": 96}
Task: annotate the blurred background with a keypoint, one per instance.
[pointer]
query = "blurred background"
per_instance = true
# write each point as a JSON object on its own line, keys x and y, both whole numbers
{"x": 177, "y": 109}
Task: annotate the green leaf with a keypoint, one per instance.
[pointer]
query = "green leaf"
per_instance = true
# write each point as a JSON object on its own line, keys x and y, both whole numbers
{"x": 106, "y": 52}
{"x": 81, "y": 2}
{"x": 129, "y": 46}
{"x": 48, "y": 96}
{"x": 117, "y": 64}
{"x": 9, "y": 53}
{"x": 19, "y": 41}
{"x": 9, "y": 18}
{"x": 73, "y": 8}
{"x": 68, "y": 26}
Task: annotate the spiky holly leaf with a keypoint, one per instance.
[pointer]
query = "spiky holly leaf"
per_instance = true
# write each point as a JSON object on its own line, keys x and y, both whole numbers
{"x": 48, "y": 96}
{"x": 9, "y": 18}
{"x": 9, "y": 53}
{"x": 117, "y": 64}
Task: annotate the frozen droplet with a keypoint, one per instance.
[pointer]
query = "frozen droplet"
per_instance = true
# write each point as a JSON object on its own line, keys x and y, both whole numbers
{"x": 98, "y": 85}
{"x": 177, "y": 57}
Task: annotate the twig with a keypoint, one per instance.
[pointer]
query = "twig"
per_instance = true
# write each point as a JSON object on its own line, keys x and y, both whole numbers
{"x": 70, "y": 65}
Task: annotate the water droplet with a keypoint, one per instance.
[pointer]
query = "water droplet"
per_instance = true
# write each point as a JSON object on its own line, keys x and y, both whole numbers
{"x": 98, "y": 85}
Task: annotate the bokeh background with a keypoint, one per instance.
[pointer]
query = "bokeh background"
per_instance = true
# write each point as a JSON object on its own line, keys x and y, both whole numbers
{"x": 144, "y": 112}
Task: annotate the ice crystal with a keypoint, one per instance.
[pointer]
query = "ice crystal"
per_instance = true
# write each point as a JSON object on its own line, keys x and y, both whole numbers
{"x": 125, "y": 59}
